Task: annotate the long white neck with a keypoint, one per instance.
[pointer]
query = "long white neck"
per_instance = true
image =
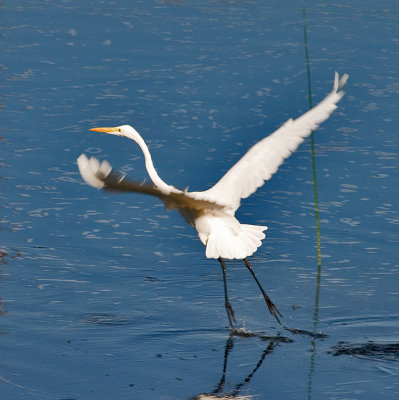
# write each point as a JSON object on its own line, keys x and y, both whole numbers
{"x": 158, "y": 182}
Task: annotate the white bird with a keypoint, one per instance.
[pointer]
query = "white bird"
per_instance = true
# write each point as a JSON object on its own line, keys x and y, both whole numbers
{"x": 212, "y": 212}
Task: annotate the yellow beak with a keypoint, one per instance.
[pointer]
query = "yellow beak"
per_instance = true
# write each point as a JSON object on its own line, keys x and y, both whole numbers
{"x": 107, "y": 130}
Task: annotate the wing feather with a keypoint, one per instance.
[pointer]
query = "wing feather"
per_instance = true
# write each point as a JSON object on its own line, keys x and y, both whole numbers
{"x": 103, "y": 176}
{"x": 264, "y": 158}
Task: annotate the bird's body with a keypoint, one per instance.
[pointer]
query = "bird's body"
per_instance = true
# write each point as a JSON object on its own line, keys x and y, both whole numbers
{"x": 215, "y": 222}
{"x": 212, "y": 212}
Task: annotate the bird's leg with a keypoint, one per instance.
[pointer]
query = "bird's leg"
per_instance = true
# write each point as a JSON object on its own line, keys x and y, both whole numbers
{"x": 229, "y": 309}
{"x": 271, "y": 306}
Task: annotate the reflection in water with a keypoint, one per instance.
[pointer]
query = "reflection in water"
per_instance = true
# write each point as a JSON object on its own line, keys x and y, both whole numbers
{"x": 219, "y": 392}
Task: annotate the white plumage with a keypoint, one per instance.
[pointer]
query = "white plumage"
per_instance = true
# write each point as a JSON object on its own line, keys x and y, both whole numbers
{"x": 212, "y": 212}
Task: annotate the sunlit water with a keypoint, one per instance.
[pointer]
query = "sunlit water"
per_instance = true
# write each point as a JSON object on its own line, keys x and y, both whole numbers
{"x": 111, "y": 297}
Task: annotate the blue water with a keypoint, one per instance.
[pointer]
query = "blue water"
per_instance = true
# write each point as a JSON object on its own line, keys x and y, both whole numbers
{"x": 109, "y": 296}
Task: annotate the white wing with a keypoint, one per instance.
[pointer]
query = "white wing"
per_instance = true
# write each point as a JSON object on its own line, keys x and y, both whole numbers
{"x": 263, "y": 159}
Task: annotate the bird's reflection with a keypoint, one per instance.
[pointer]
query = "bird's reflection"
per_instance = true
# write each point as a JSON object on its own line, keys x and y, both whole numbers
{"x": 219, "y": 392}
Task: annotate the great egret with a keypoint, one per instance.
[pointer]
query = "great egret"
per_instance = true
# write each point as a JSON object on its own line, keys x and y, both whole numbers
{"x": 211, "y": 212}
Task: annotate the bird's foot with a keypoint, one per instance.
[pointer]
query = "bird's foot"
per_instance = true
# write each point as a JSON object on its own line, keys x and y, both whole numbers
{"x": 230, "y": 315}
{"x": 273, "y": 310}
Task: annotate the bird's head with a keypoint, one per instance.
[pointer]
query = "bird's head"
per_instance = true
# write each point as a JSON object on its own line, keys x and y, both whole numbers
{"x": 123, "y": 130}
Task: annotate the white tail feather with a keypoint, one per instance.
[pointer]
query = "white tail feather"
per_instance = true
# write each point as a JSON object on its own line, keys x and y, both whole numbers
{"x": 230, "y": 245}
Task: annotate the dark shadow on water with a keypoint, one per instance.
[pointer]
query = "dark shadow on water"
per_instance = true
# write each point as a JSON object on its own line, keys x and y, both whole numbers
{"x": 369, "y": 350}
{"x": 104, "y": 319}
{"x": 304, "y": 332}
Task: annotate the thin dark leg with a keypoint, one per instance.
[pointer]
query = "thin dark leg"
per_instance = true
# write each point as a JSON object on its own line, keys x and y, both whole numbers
{"x": 272, "y": 308}
{"x": 229, "y": 309}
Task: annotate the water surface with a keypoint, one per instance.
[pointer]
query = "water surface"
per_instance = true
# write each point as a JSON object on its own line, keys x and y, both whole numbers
{"x": 109, "y": 296}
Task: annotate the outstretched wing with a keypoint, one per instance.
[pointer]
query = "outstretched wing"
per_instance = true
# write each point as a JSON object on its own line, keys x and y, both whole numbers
{"x": 264, "y": 158}
{"x": 103, "y": 176}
